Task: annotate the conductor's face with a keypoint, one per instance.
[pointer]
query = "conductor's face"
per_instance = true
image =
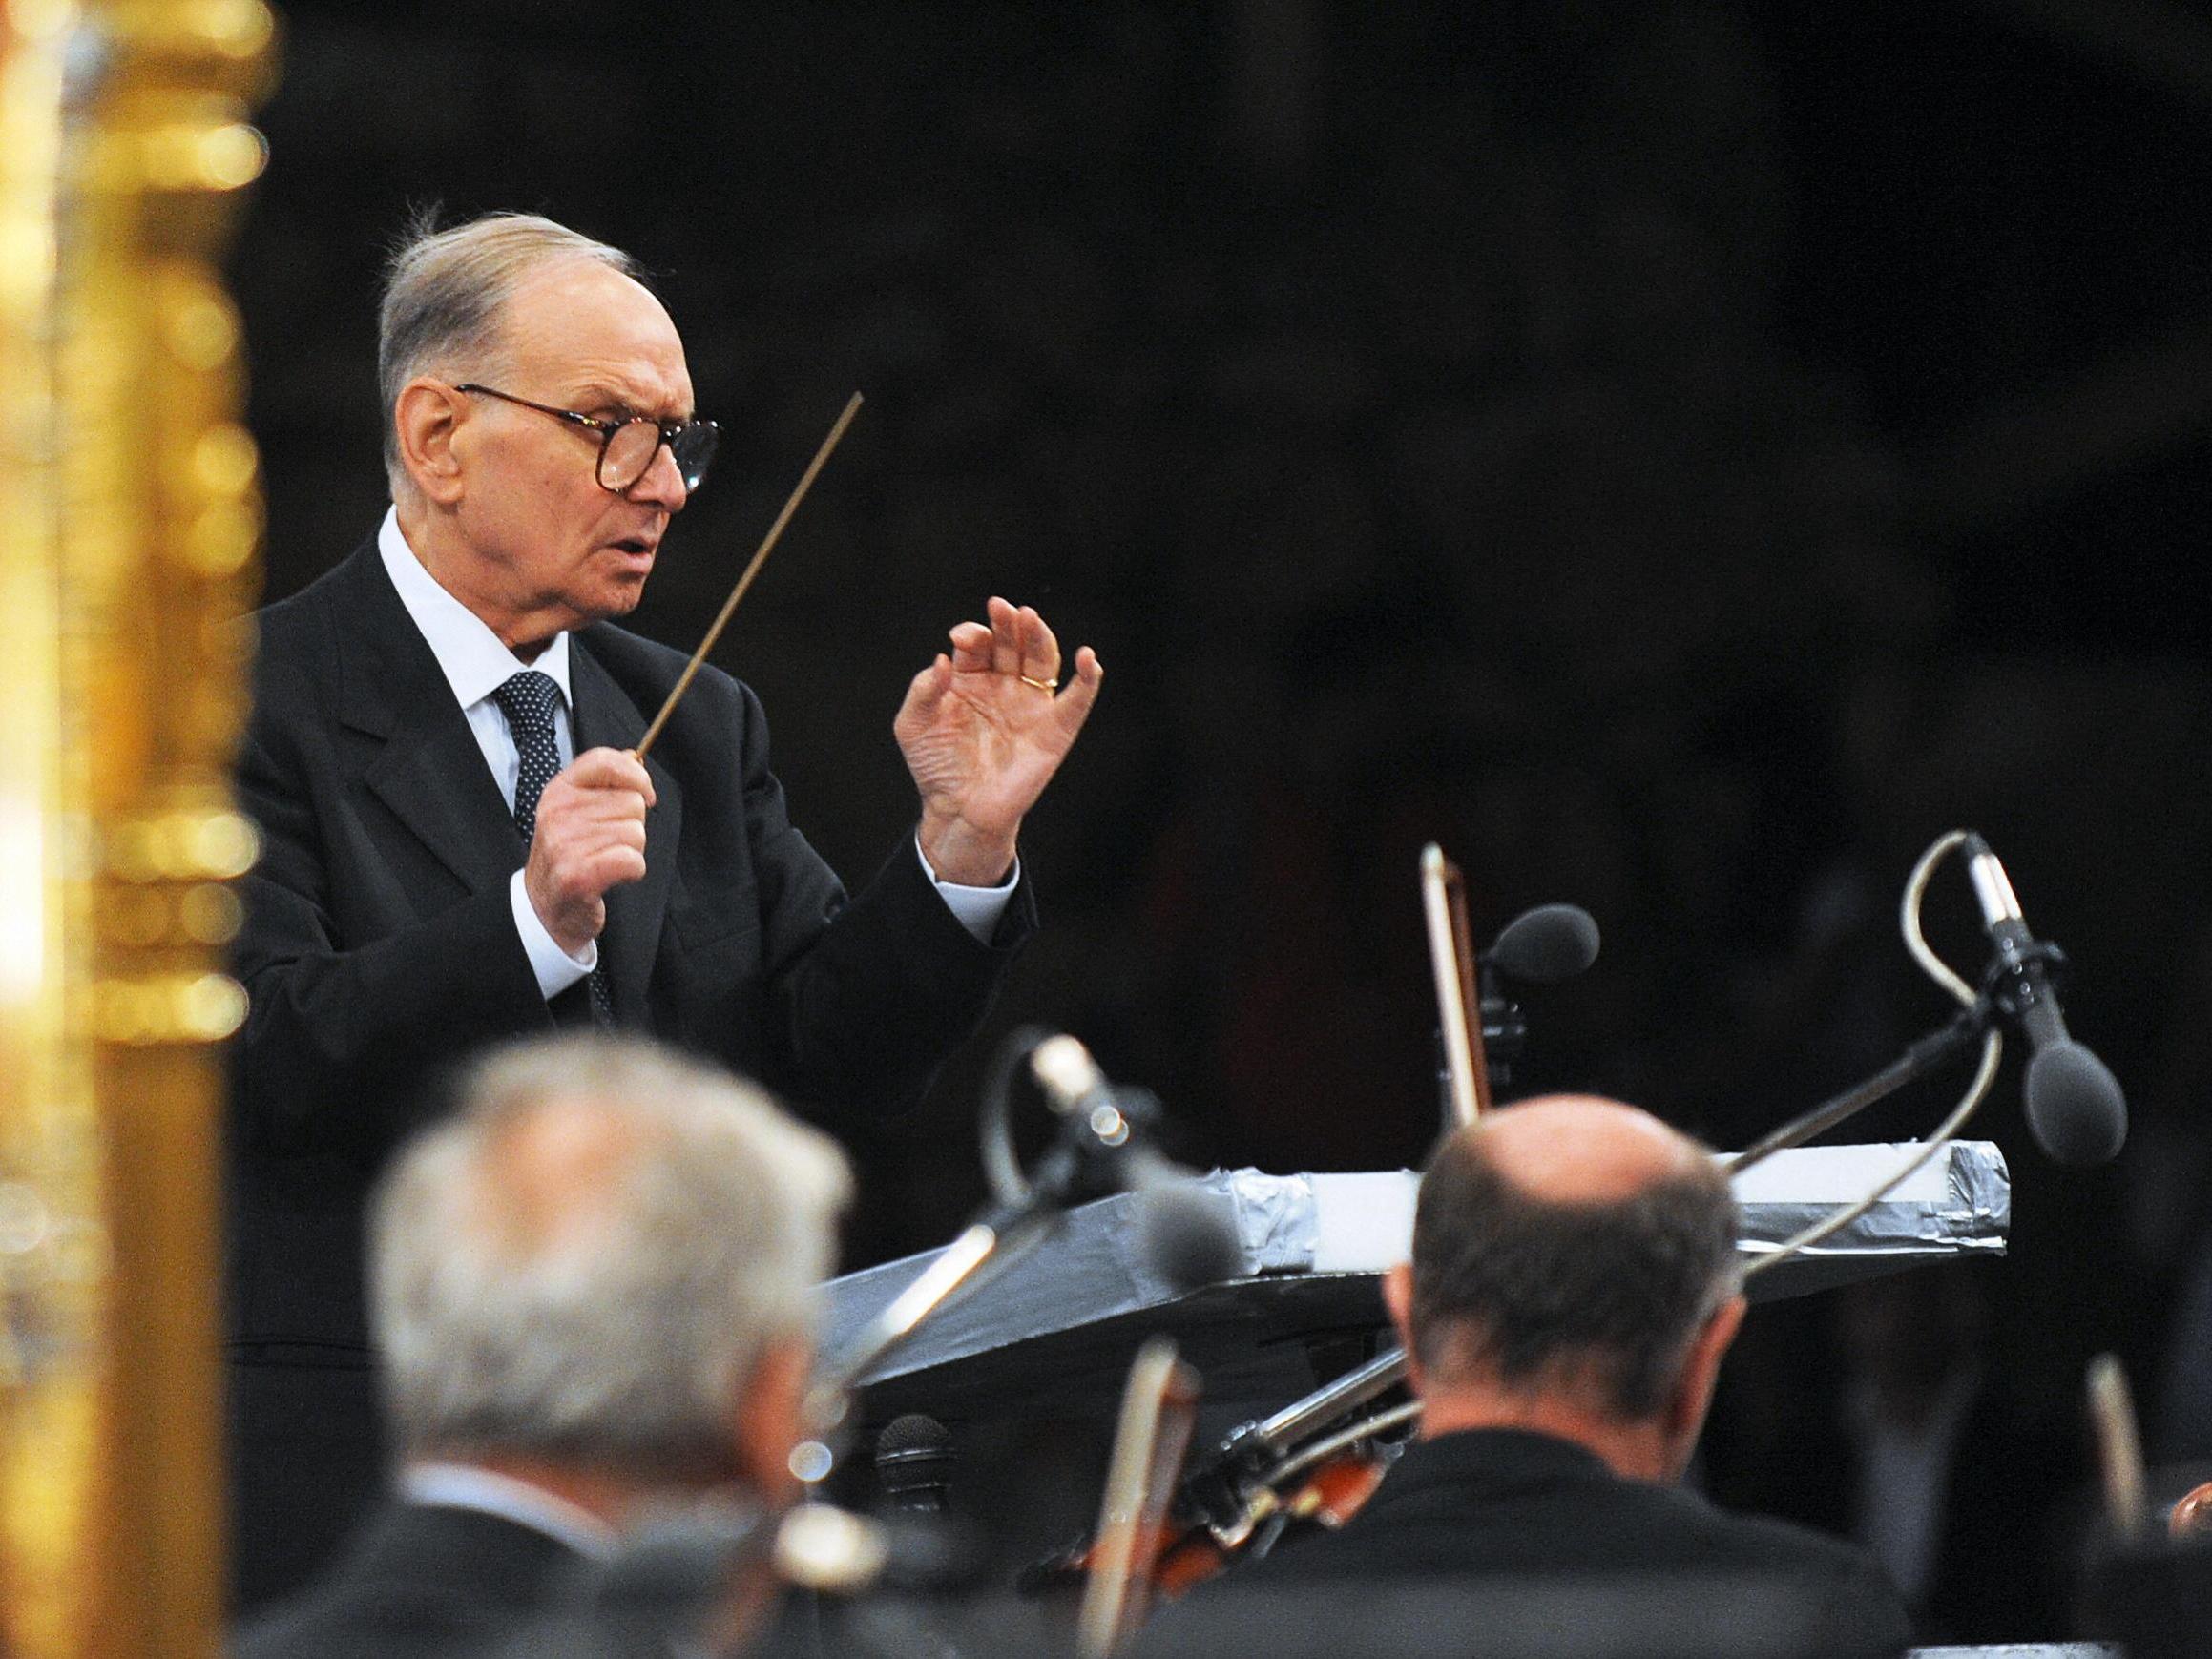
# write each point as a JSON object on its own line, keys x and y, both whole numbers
{"x": 539, "y": 544}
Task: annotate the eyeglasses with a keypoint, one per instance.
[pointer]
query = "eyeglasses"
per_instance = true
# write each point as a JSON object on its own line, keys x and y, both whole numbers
{"x": 627, "y": 447}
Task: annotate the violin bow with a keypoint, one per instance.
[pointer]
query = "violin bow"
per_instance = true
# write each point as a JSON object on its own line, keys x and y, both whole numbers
{"x": 1159, "y": 1407}
{"x": 2119, "y": 1450}
{"x": 1458, "y": 1000}
{"x": 1159, "y": 1404}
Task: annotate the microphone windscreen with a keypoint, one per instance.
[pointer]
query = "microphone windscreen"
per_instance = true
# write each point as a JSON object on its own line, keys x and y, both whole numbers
{"x": 915, "y": 1432}
{"x": 1545, "y": 945}
{"x": 914, "y": 1461}
{"x": 2075, "y": 1110}
{"x": 1189, "y": 1235}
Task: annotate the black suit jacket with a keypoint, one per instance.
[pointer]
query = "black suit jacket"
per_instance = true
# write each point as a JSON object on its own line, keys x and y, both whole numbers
{"x": 2005, "y": 1551}
{"x": 1502, "y": 1505}
{"x": 378, "y": 942}
{"x": 418, "y": 1582}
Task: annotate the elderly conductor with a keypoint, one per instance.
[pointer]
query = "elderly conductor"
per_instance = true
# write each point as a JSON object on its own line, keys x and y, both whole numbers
{"x": 459, "y": 845}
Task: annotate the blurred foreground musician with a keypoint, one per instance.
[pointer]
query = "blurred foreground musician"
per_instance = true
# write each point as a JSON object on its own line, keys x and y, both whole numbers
{"x": 1572, "y": 1288}
{"x": 460, "y": 846}
{"x": 594, "y": 1290}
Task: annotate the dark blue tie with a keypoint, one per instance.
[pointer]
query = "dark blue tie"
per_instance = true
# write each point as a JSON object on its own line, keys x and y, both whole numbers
{"x": 528, "y": 701}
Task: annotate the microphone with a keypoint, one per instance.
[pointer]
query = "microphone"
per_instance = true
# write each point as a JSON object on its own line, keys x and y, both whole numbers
{"x": 1187, "y": 1236}
{"x": 1111, "y": 1119}
{"x": 2075, "y": 1110}
{"x": 915, "y": 1463}
{"x": 1545, "y": 945}
{"x": 1072, "y": 1085}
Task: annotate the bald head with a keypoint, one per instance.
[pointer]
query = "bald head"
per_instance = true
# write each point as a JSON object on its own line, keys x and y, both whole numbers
{"x": 1569, "y": 1243}
{"x": 1580, "y": 1148}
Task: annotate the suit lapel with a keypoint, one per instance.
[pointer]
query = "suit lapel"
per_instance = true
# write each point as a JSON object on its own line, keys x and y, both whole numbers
{"x": 431, "y": 773}
{"x": 605, "y": 717}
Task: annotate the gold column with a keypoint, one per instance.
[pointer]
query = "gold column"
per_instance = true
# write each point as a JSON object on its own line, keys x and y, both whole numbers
{"x": 50, "y": 1242}
{"x": 132, "y": 516}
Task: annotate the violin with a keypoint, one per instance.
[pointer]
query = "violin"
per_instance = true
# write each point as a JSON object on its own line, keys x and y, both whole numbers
{"x": 1228, "y": 1511}
{"x": 2191, "y": 1516}
{"x": 1303, "y": 1466}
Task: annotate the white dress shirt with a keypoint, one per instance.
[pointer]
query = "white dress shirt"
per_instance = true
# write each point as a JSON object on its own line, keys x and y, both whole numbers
{"x": 477, "y": 664}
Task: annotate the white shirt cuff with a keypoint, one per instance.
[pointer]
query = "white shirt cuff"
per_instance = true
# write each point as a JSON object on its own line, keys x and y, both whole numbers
{"x": 556, "y": 968}
{"x": 977, "y": 908}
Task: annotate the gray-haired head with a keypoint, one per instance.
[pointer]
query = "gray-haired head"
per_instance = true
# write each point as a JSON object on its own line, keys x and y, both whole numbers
{"x": 445, "y": 292}
{"x": 587, "y": 1261}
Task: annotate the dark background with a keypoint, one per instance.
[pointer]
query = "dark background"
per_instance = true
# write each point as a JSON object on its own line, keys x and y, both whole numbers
{"x": 1683, "y": 457}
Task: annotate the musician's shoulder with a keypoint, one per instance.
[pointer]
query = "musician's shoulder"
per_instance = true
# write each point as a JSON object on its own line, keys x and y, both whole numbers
{"x": 292, "y": 642}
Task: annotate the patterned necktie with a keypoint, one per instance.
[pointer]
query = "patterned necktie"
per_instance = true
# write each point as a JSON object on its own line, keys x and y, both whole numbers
{"x": 528, "y": 701}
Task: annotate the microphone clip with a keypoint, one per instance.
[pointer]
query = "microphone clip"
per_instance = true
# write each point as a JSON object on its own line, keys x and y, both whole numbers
{"x": 1505, "y": 1029}
{"x": 2023, "y": 978}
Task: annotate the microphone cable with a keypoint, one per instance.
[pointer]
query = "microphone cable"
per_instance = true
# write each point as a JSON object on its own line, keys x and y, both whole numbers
{"x": 1978, "y": 1088}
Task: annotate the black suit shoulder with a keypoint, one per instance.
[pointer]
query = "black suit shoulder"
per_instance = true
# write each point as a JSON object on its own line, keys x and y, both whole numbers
{"x": 718, "y": 710}
{"x": 635, "y": 660}
{"x": 290, "y": 643}
{"x": 298, "y": 638}
{"x": 295, "y": 639}
{"x": 1518, "y": 1505}
{"x": 418, "y": 1582}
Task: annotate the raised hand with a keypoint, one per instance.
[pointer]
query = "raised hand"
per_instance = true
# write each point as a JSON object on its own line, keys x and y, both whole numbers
{"x": 589, "y": 837}
{"x": 983, "y": 730}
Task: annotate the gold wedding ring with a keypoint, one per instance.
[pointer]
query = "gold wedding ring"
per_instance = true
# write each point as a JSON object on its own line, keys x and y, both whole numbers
{"x": 1047, "y": 687}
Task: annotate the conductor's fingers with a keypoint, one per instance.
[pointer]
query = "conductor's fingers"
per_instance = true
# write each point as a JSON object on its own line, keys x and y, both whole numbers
{"x": 1005, "y": 625}
{"x": 971, "y": 647}
{"x": 1072, "y": 706}
{"x": 1040, "y": 650}
{"x": 924, "y": 693}
{"x": 611, "y": 769}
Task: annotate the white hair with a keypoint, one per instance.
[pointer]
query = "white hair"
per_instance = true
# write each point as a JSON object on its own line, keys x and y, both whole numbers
{"x": 612, "y": 1319}
{"x": 444, "y": 291}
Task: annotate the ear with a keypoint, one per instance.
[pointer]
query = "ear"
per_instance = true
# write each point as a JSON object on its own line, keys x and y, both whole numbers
{"x": 771, "y": 1410}
{"x": 1398, "y": 1299}
{"x": 426, "y": 420}
{"x": 1685, "y": 1413}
